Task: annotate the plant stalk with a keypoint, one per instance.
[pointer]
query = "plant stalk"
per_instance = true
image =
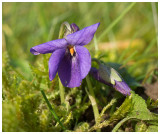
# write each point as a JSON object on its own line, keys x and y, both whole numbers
{"x": 61, "y": 89}
{"x": 52, "y": 110}
{"x": 61, "y": 35}
{"x": 120, "y": 123}
{"x": 93, "y": 100}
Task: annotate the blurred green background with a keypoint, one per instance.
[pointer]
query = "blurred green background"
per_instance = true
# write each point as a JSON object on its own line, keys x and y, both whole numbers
{"x": 28, "y": 24}
{"x": 127, "y": 35}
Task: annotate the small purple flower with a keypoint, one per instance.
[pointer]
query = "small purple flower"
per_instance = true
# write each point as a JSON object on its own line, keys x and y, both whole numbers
{"x": 110, "y": 77}
{"x": 69, "y": 58}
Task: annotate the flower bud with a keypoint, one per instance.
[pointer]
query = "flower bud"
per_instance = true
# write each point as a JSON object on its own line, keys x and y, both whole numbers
{"x": 110, "y": 77}
{"x": 74, "y": 27}
{"x": 65, "y": 30}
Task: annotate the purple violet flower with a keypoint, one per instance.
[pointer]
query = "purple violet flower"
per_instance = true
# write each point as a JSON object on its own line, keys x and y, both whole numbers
{"x": 110, "y": 77}
{"x": 69, "y": 58}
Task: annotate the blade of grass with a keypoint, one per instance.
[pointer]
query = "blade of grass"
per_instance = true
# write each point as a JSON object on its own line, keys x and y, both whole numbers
{"x": 116, "y": 20}
{"x": 93, "y": 100}
{"x": 155, "y": 18}
{"x": 145, "y": 57}
{"x": 55, "y": 21}
{"x": 150, "y": 45}
{"x": 127, "y": 50}
{"x": 130, "y": 57}
{"x": 52, "y": 110}
{"x": 141, "y": 62}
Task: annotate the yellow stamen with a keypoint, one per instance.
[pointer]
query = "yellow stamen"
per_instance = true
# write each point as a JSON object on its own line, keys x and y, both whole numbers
{"x": 71, "y": 50}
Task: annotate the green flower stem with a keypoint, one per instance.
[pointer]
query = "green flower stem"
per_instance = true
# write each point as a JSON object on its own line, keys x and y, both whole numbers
{"x": 51, "y": 109}
{"x": 61, "y": 89}
{"x": 93, "y": 100}
{"x": 61, "y": 35}
{"x": 120, "y": 123}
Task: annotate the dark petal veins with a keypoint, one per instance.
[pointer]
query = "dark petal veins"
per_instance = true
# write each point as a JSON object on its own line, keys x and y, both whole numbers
{"x": 49, "y": 47}
{"x": 54, "y": 61}
{"x": 69, "y": 71}
{"x": 84, "y": 60}
{"x": 82, "y": 37}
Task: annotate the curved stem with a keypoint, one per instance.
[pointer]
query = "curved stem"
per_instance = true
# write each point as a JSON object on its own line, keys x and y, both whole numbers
{"x": 120, "y": 123}
{"x": 93, "y": 100}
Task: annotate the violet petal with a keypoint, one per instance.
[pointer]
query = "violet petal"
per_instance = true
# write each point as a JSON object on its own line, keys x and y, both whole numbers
{"x": 84, "y": 60}
{"x": 54, "y": 61}
{"x": 69, "y": 71}
{"x": 48, "y": 47}
{"x": 122, "y": 87}
{"x": 82, "y": 37}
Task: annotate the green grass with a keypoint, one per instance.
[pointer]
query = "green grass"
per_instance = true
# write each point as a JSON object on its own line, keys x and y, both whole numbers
{"x": 24, "y": 75}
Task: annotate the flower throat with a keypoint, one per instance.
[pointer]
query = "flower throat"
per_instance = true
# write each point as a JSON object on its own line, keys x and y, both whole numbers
{"x": 71, "y": 50}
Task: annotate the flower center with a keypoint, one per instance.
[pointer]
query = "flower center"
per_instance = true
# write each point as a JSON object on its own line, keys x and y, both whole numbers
{"x": 71, "y": 50}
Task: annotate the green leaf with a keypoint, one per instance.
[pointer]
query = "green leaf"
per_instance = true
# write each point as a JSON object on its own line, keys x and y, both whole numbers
{"x": 152, "y": 128}
{"x": 136, "y": 108}
{"x": 140, "y": 110}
